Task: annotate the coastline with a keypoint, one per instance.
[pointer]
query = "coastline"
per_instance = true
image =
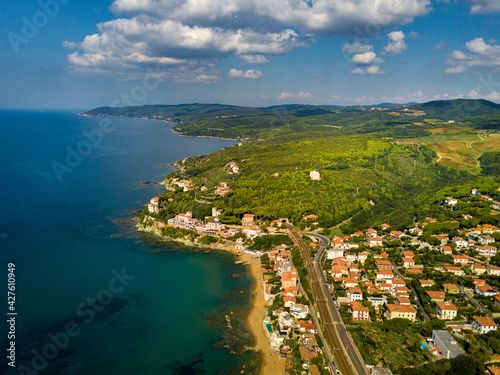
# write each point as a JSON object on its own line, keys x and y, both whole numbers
{"x": 271, "y": 362}
{"x": 166, "y": 121}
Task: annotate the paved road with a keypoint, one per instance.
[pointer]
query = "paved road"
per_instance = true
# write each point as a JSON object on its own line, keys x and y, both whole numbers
{"x": 475, "y": 302}
{"x": 417, "y": 297}
{"x": 336, "y": 335}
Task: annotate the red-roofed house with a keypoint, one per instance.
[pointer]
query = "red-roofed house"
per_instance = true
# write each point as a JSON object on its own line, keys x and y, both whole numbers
{"x": 483, "y": 325}
{"x": 446, "y": 310}
{"x": 359, "y": 312}
{"x": 401, "y": 311}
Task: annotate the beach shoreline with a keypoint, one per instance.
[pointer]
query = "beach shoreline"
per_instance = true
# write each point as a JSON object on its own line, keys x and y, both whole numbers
{"x": 271, "y": 362}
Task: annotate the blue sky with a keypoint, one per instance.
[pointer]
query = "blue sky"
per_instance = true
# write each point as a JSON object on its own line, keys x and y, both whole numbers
{"x": 74, "y": 54}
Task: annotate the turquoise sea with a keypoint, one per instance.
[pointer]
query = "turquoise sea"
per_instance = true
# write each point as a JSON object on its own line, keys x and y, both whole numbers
{"x": 89, "y": 299}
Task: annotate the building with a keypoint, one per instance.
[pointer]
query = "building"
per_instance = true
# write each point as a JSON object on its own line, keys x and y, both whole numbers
{"x": 377, "y": 301}
{"x": 285, "y": 323}
{"x": 383, "y": 264}
{"x": 487, "y": 251}
{"x": 446, "y": 310}
{"x": 435, "y": 296}
{"x": 483, "y": 325}
{"x": 362, "y": 257}
{"x": 407, "y": 254}
{"x": 359, "y": 312}
{"x": 426, "y": 283}
{"x": 460, "y": 242}
{"x": 370, "y": 232}
{"x": 299, "y": 311}
{"x": 485, "y": 239}
{"x": 315, "y": 176}
{"x": 403, "y": 301}
{"x": 457, "y": 271}
{"x": 451, "y": 288}
{"x": 447, "y": 344}
{"x": 336, "y": 252}
{"x": 401, "y": 311}
{"x": 216, "y": 212}
{"x": 407, "y": 262}
{"x": 486, "y": 290}
{"x": 396, "y": 235}
{"x": 248, "y": 219}
{"x": 478, "y": 269}
{"x": 460, "y": 259}
{"x": 493, "y": 270}
{"x": 384, "y": 274}
{"x": 446, "y": 250}
{"x": 354, "y": 294}
{"x": 374, "y": 241}
{"x": 222, "y": 189}
{"x": 154, "y": 205}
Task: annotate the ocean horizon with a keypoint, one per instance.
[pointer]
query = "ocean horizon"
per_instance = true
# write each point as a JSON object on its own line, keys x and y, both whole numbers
{"x": 92, "y": 295}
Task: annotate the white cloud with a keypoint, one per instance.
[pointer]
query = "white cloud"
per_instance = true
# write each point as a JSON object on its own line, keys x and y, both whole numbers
{"x": 494, "y": 96}
{"x": 473, "y": 94}
{"x": 255, "y": 59}
{"x": 300, "y": 95}
{"x": 364, "y": 99}
{"x": 374, "y": 69}
{"x": 174, "y": 33}
{"x": 249, "y": 74}
{"x": 484, "y": 6}
{"x": 356, "y": 48}
{"x": 440, "y": 46}
{"x": 366, "y": 58}
{"x": 480, "y": 54}
{"x": 396, "y": 44}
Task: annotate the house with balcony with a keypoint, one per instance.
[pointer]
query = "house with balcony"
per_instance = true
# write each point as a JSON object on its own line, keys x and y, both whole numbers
{"x": 483, "y": 325}
{"x": 446, "y": 310}
{"x": 401, "y": 311}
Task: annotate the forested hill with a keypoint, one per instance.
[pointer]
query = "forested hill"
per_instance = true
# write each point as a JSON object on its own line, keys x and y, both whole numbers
{"x": 308, "y": 121}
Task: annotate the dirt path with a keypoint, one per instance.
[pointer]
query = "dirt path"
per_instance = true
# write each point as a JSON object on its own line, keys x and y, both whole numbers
{"x": 469, "y": 145}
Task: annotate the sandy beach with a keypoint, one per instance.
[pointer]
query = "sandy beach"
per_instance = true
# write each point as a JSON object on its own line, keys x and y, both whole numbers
{"x": 272, "y": 362}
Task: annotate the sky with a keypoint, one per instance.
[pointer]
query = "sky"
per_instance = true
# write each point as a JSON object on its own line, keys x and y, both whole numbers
{"x": 85, "y": 54}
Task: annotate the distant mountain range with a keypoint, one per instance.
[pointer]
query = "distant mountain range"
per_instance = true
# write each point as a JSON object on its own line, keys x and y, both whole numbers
{"x": 443, "y": 109}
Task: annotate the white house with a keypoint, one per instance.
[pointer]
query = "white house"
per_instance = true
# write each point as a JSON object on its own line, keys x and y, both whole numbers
{"x": 483, "y": 325}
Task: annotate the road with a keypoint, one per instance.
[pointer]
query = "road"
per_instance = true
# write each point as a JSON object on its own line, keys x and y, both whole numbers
{"x": 336, "y": 335}
{"x": 345, "y": 336}
{"x": 417, "y": 297}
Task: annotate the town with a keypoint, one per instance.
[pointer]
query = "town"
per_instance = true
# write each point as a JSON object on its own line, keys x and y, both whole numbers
{"x": 441, "y": 276}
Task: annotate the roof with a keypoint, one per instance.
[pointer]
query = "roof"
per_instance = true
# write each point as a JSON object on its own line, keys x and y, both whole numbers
{"x": 448, "y": 306}
{"x": 357, "y": 306}
{"x": 401, "y": 308}
{"x": 408, "y": 260}
{"x": 451, "y": 287}
{"x": 383, "y": 262}
{"x": 414, "y": 270}
{"x": 447, "y": 343}
{"x": 484, "y": 321}
{"x": 426, "y": 282}
{"x": 385, "y": 272}
{"x": 434, "y": 294}
{"x": 460, "y": 257}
